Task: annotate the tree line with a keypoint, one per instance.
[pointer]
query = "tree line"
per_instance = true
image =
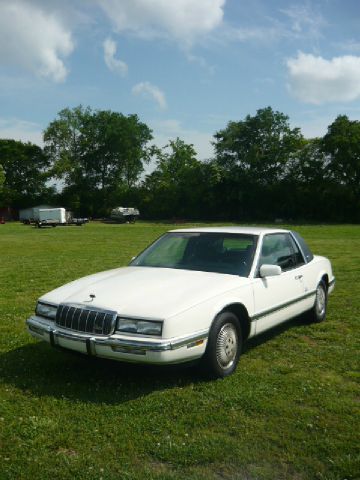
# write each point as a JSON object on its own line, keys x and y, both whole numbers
{"x": 262, "y": 169}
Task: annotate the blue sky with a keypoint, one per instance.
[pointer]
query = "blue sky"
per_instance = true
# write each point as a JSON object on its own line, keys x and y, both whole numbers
{"x": 186, "y": 67}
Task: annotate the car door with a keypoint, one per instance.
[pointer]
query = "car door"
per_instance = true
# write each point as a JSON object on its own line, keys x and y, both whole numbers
{"x": 278, "y": 297}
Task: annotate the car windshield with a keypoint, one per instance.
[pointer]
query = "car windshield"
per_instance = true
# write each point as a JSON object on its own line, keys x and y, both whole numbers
{"x": 207, "y": 252}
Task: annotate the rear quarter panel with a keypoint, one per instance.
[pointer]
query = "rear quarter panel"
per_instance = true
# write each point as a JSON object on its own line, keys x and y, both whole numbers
{"x": 314, "y": 272}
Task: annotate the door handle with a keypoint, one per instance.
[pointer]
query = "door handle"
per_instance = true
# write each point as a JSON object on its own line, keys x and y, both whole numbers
{"x": 298, "y": 277}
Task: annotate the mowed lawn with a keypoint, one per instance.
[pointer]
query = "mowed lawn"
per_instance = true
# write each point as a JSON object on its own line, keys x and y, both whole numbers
{"x": 291, "y": 410}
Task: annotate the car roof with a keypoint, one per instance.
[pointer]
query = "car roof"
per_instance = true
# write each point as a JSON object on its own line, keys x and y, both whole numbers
{"x": 239, "y": 230}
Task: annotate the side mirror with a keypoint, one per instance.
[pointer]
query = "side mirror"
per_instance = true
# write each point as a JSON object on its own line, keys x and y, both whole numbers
{"x": 269, "y": 270}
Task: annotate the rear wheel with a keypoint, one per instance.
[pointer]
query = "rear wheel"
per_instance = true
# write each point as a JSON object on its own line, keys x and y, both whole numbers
{"x": 224, "y": 346}
{"x": 318, "y": 312}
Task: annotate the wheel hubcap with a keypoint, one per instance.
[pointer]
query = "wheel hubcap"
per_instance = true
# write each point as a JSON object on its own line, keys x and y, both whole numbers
{"x": 320, "y": 301}
{"x": 226, "y": 345}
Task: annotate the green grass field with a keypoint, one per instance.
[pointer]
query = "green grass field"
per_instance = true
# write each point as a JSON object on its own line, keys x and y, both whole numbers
{"x": 291, "y": 410}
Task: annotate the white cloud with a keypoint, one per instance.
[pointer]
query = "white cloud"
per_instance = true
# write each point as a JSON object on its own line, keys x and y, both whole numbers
{"x": 151, "y": 91}
{"x": 14, "y": 128}
{"x": 69, "y": 12}
{"x": 317, "y": 80}
{"x": 183, "y": 20}
{"x": 113, "y": 64}
{"x": 34, "y": 40}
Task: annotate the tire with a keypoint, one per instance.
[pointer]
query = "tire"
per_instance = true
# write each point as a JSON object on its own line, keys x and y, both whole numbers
{"x": 318, "y": 312}
{"x": 224, "y": 346}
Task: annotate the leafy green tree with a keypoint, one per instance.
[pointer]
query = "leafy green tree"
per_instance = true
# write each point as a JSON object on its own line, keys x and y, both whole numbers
{"x": 342, "y": 146}
{"x": 25, "y": 170}
{"x": 306, "y": 183}
{"x": 309, "y": 164}
{"x": 258, "y": 147}
{"x": 174, "y": 187}
{"x": 96, "y": 153}
{"x": 64, "y": 143}
{"x": 116, "y": 148}
{"x": 253, "y": 155}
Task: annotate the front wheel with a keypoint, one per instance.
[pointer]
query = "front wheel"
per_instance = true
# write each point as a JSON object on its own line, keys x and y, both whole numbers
{"x": 318, "y": 312}
{"x": 224, "y": 346}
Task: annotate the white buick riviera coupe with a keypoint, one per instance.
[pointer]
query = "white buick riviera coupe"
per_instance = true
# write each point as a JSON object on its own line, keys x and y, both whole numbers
{"x": 192, "y": 294}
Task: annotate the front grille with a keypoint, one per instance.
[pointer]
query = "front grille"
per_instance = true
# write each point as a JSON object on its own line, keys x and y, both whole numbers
{"x": 84, "y": 319}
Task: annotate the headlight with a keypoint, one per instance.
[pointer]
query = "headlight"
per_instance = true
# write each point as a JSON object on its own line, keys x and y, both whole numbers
{"x": 46, "y": 310}
{"x": 144, "y": 327}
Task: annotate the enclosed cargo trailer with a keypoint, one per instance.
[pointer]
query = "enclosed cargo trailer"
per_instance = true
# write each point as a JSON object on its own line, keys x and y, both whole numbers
{"x": 31, "y": 215}
{"x": 53, "y": 217}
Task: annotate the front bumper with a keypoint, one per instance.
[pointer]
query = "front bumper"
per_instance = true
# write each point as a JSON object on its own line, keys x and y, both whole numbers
{"x": 120, "y": 347}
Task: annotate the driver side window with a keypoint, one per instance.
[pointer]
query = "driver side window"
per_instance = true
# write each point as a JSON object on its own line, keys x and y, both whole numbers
{"x": 277, "y": 249}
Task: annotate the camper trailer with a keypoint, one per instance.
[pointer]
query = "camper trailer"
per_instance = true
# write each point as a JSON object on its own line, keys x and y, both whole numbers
{"x": 124, "y": 214}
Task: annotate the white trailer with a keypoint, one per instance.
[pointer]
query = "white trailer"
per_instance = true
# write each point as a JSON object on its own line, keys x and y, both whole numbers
{"x": 53, "y": 217}
{"x": 31, "y": 215}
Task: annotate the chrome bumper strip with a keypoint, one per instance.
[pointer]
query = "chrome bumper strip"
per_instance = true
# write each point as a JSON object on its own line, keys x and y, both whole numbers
{"x": 120, "y": 344}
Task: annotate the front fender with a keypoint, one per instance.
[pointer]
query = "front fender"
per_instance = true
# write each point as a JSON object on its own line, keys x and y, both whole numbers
{"x": 201, "y": 316}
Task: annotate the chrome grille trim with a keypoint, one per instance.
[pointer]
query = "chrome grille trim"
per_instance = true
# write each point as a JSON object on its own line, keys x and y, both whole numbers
{"x": 81, "y": 318}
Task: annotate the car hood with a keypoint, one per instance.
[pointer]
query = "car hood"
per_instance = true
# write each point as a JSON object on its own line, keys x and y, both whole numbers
{"x": 145, "y": 292}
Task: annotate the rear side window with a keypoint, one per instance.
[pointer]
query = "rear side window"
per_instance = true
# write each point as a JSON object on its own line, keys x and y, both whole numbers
{"x": 304, "y": 247}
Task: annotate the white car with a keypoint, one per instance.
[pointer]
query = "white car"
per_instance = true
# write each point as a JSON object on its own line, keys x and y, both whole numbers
{"x": 192, "y": 294}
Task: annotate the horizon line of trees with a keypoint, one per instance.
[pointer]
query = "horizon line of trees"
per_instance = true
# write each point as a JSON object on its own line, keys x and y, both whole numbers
{"x": 262, "y": 169}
